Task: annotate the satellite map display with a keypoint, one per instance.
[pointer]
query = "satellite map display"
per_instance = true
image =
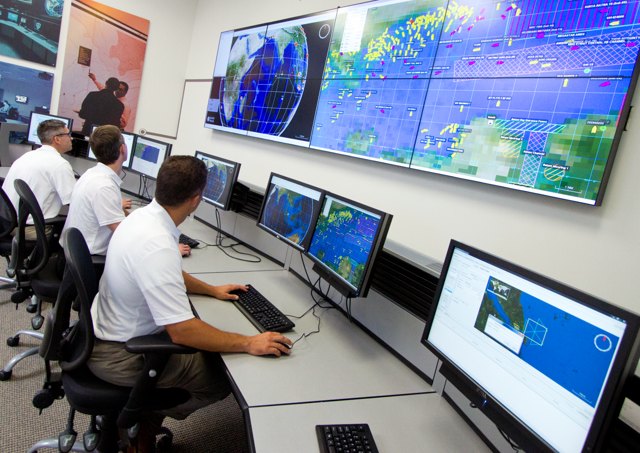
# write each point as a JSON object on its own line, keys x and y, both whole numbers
{"x": 343, "y": 239}
{"x": 289, "y": 214}
{"x": 217, "y": 188}
{"x": 523, "y": 94}
{"x": 566, "y": 349}
{"x": 147, "y": 152}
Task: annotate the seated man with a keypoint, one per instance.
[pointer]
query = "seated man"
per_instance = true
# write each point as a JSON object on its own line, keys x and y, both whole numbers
{"x": 143, "y": 290}
{"x": 97, "y": 207}
{"x": 45, "y": 171}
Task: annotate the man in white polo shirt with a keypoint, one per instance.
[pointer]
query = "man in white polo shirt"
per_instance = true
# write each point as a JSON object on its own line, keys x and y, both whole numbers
{"x": 143, "y": 291}
{"x": 45, "y": 171}
{"x": 97, "y": 206}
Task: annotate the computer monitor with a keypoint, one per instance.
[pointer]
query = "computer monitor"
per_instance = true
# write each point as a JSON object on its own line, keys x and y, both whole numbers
{"x": 13, "y": 142}
{"x": 544, "y": 361}
{"x": 36, "y": 118}
{"x": 346, "y": 240}
{"x": 129, "y": 140}
{"x": 290, "y": 210}
{"x": 148, "y": 156}
{"x": 222, "y": 176}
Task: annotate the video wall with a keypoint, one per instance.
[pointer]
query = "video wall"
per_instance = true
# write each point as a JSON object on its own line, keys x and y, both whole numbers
{"x": 527, "y": 95}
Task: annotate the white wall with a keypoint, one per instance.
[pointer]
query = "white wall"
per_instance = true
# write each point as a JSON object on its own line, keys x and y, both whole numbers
{"x": 593, "y": 249}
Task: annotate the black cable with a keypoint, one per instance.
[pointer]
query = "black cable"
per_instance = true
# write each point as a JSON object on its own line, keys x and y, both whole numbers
{"x": 510, "y": 441}
{"x": 218, "y": 243}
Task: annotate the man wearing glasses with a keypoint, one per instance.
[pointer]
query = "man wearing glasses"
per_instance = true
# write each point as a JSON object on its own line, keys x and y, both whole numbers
{"x": 46, "y": 172}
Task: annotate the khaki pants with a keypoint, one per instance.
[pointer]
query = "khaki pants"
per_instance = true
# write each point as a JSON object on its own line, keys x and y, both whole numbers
{"x": 202, "y": 374}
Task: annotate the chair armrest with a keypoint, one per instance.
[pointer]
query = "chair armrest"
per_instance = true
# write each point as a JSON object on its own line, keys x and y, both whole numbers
{"x": 157, "y": 343}
{"x": 57, "y": 220}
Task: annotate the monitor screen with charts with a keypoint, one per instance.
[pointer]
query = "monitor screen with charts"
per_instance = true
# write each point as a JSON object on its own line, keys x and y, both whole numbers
{"x": 37, "y": 118}
{"x": 222, "y": 175}
{"x": 289, "y": 210}
{"x": 129, "y": 140}
{"x": 346, "y": 241}
{"x": 148, "y": 156}
{"x": 544, "y": 361}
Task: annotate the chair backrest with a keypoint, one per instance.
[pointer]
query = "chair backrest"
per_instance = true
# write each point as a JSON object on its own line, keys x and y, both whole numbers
{"x": 79, "y": 343}
{"x": 30, "y": 261}
{"x": 8, "y": 216}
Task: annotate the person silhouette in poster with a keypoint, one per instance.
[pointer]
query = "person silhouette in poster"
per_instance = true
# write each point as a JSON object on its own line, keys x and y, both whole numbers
{"x": 121, "y": 93}
{"x": 101, "y": 107}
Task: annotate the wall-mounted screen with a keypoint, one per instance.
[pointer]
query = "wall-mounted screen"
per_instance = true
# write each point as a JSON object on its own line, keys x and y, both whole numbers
{"x": 544, "y": 361}
{"x": 289, "y": 210}
{"x": 36, "y": 119}
{"x": 345, "y": 243}
{"x": 129, "y": 140}
{"x": 221, "y": 177}
{"x": 527, "y": 95}
{"x": 148, "y": 156}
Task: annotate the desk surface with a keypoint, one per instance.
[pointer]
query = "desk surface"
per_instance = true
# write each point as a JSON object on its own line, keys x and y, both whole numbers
{"x": 398, "y": 424}
{"x": 339, "y": 362}
{"x": 211, "y": 259}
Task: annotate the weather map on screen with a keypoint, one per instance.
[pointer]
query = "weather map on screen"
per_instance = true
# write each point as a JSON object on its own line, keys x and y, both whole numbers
{"x": 343, "y": 238}
{"x": 222, "y": 174}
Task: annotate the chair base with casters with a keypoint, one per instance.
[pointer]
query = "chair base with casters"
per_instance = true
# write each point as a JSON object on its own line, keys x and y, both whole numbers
{"x": 7, "y": 370}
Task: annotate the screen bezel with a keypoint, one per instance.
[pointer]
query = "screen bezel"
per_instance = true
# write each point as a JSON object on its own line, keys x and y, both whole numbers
{"x": 611, "y": 399}
{"x": 226, "y": 203}
{"x": 167, "y": 152}
{"x": 125, "y": 164}
{"x": 304, "y": 245}
{"x": 32, "y": 129}
{"x": 337, "y": 281}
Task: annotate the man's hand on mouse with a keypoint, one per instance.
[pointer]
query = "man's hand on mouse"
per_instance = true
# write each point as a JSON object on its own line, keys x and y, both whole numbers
{"x": 269, "y": 343}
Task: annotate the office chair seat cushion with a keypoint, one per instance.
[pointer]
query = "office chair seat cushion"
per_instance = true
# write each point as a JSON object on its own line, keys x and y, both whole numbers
{"x": 90, "y": 395}
{"x": 47, "y": 283}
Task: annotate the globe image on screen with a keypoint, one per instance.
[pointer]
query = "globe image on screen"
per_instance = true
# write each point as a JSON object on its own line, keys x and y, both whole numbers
{"x": 216, "y": 182}
{"x": 288, "y": 213}
{"x": 54, "y": 8}
{"x": 265, "y": 79}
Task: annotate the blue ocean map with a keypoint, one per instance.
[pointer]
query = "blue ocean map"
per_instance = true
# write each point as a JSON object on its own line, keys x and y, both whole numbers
{"x": 147, "y": 152}
{"x": 289, "y": 214}
{"x": 217, "y": 177}
{"x": 522, "y": 93}
{"x": 343, "y": 239}
{"x": 573, "y": 353}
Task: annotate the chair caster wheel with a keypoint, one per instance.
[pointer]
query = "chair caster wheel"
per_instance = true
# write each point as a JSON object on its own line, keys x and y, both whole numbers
{"x": 32, "y": 308}
{"x": 5, "y": 375}
{"x": 37, "y": 321}
{"x": 13, "y": 341}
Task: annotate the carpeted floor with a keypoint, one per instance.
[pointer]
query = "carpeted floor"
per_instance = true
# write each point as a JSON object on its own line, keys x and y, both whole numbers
{"x": 217, "y": 428}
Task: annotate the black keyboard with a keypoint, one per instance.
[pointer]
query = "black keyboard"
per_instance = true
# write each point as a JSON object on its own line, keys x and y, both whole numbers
{"x": 184, "y": 239}
{"x": 352, "y": 438}
{"x": 262, "y": 313}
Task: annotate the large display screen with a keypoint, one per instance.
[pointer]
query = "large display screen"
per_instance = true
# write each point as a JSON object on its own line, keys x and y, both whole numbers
{"x": 289, "y": 210}
{"x": 548, "y": 355}
{"x": 222, "y": 175}
{"x": 527, "y": 95}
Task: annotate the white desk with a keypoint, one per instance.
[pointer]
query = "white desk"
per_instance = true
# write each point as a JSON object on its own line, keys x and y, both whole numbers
{"x": 211, "y": 259}
{"x": 399, "y": 424}
{"x": 340, "y": 362}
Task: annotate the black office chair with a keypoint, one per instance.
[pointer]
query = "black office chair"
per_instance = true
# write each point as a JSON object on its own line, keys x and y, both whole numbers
{"x": 71, "y": 345}
{"x": 36, "y": 266}
{"x": 8, "y": 222}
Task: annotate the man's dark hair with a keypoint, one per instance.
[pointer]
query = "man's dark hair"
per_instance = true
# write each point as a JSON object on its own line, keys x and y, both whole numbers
{"x": 112, "y": 84}
{"x": 105, "y": 143}
{"x": 48, "y": 129}
{"x": 180, "y": 178}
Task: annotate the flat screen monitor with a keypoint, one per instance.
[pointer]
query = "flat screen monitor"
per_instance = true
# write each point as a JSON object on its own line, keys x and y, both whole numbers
{"x": 37, "y": 118}
{"x": 148, "y": 156}
{"x": 129, "y": 140}
{"x": 544, "y": 361}
{"x": 346, "y": 239}
{"x": 222, "y": 175}
{"x": 290, "y": 210}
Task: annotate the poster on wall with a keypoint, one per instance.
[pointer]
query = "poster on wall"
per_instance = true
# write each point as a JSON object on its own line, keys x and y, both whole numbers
{"x": 30, "y": 29}
{"x": 103, "y": 64}
{"x": 22, "y": 91}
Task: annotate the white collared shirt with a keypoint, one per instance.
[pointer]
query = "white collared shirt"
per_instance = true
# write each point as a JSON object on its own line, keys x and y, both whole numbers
{"x": 96, "y": 203}
{"x": 142, "y": 288}
{"x": 47, "y": 174}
